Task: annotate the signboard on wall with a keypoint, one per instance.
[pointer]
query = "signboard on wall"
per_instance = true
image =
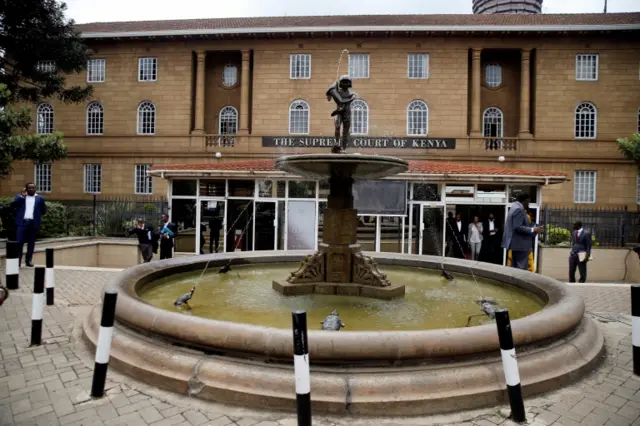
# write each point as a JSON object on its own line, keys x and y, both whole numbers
{"x": 380, "y": 197}
{"x": 357, "y": 142}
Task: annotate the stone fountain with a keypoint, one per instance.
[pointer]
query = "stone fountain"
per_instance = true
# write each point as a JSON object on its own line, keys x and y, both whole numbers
{"x": 339, "y": 266}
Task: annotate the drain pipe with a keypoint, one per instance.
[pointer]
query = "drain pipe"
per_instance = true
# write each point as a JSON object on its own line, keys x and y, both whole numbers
{"x": 635, "y": 327}
{"x": 510, "y": 366}
{"x": 301, "y": 367}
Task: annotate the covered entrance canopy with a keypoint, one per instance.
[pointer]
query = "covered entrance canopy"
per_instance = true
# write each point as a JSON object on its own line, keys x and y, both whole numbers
{"x": 249, "y": 205}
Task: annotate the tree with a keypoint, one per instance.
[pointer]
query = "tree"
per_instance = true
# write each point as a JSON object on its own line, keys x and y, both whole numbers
{"x": 39, "y": 47}
{"x": 630, "y": 148}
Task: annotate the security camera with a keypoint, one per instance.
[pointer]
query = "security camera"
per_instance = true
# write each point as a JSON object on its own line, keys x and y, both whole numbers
{"x": 218, "y": 154}
{"x": 501, "y": 159}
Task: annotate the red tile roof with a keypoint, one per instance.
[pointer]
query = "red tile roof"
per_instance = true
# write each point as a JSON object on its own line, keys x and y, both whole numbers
{"x": 523, "y": 20}
{"x": 419, "y": 167}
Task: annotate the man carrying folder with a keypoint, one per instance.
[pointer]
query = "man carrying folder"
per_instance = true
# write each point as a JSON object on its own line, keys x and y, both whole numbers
{"x": 580, "y": 252}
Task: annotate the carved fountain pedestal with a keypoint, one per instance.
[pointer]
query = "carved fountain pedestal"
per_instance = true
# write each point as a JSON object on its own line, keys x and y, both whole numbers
{"x": 339, "y": 266}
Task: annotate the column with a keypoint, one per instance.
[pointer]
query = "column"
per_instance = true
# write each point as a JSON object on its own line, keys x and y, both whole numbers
{"x": 525, "y": 88}
{"x": 244, "y": 93}
{"x": 475, "y": 92}
{"x": 200, "y": 74}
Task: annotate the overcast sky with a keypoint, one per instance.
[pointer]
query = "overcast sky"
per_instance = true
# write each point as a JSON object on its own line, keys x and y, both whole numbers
{"x": 138, "y": 10}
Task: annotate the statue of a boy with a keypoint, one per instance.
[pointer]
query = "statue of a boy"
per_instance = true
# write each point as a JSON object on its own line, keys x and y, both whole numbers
{"x": 341, "y": 94}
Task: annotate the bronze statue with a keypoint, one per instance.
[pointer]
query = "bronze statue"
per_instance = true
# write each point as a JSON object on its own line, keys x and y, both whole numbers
{"x": 341, "y": 94}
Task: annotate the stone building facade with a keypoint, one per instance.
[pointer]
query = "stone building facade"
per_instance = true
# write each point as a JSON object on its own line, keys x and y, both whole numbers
{"x": 546, "y": 92}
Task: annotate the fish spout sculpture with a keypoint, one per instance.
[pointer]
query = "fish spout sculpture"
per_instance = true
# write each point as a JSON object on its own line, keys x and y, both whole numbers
{"x": 332, "y": 322}
{"x": 447, "y": 275}
{"x": 184, "y": 299}
{"x": 488, "y": 306}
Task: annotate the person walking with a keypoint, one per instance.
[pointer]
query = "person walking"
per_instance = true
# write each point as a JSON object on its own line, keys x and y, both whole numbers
{"x": 168, "y": 232}
{"x": 491, "y": 251}
{"x": 459, "y": 237}
{"x": 580, "y": 252}
{"x": 145, "y": 239}
{"x": 30, "y": 208}
{"x": 518, "y": 233}
{"x": 475, "y": 237}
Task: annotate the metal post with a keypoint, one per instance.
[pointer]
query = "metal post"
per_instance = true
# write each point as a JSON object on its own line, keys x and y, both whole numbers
{"x": 49, "y": 278}
{"x": 95, "y": 215}
{"x": 510, "y": 365}
{"x": 37, "y": 307}
{"x": 104, "y": 344}
{"x": 301, "y": 368}
{"x": 12, "y": 265}
{"x": 635, "y": 327}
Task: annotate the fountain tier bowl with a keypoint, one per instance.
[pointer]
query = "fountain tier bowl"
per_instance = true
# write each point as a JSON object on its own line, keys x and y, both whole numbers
{"x": 359, "y": 372}
{"x": 358, "y": 166}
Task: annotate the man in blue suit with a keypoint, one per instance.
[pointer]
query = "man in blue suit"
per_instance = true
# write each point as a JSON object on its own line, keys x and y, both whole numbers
{"x": 518, "y": 233}
{"x": 580, "y": 252}
{"x": 30, "y": 208}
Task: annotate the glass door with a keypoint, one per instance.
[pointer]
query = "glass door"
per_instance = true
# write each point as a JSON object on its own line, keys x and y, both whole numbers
{"x": 239, "y": 234}
{"x": 211, "y": 226}
{"x": 432, "y": 230}
{"x": 265, "y": 226}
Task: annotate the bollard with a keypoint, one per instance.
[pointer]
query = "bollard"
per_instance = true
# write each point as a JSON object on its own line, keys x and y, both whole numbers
{"x": 104, "y": 344}
{"x": 635, "y": 327}
{"x": 37, "y": 307}
{"x": 49, "y": 276}
{"x": 301, "y": 368}
{"x": 12, "y": 265}
{"x": 510, "y": 366}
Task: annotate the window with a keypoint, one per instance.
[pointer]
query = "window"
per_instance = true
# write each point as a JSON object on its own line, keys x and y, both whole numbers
{"x": 299, "y": 66}
{"x": 96, "y": 70}
{"x": 418, "y": 65}
{"x": 359, "y": 65}
{"x": 299, "y": 117}
{"x": 584, "y": 187}
{"x": 417, "y": 118}
{"x": 146, "y": 118}
{"x": 95, "y": 119}
{"x": 492, "y": 123}
{"x": 92, "y": 178}
{"x": 493, "y": 75}
{"x": 42, "y": 177}
{"x": 147, "y": 69}
{"x": 44, "y": 121}
{"x": 143, "y": 182}
{"x": 229, "y": 75}
{"x": 585, "y": 125}
{"x": 228, "y": 121}
{"x": 586, "y": 67}
{"x": 359, "y": 117}
{"x": 46, "y": 67}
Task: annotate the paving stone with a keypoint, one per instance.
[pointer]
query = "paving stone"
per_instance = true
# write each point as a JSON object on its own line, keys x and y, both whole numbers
{"x": 195, "y": 418}
{"x": 615, "y": 401}
{"x": 547, "y": 417}
{"x": 130, "y": 419}
{"x": 171, "y": 421}
{"x": 150, "y": 414}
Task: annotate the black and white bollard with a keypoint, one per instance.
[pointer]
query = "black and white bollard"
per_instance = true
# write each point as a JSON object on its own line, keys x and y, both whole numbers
{"x": 12, "y": 265}
{"x": 104, "y": 344}
{"x": 49, "y": 278}
{"x": 510, "y": 365}
{"x": 301, "y": 368}
{"x": 635, "y": 327}
{"x": 37, "y": 307}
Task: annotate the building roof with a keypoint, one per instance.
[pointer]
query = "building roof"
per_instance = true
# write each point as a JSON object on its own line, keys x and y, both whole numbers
{"x": 365, "y": 23}
{"x": 418, "y": 170}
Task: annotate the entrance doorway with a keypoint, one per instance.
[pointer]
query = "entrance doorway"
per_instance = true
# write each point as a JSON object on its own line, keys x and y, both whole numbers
{"x": 427, "y": 229}
{"x": 212, "y": 226}
{"x": 239, "y": 236}
{"x": 265, "y": 225}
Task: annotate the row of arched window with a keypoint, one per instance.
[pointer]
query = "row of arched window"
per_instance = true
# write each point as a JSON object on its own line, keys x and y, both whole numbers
{"x": 299, "y": 117}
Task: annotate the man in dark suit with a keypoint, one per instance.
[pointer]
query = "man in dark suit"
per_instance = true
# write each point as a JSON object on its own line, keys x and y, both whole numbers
{"x": 580, "y": 252}
{"x": 215, "y": 225}
{"x": 145, "y": 239}
{"x": 459, "y": 237}
{"x": 491, "y": 251}
{"x": 168, "y": 232}
{"x": 30, "y": 208}
{"x": 518, "y": 233}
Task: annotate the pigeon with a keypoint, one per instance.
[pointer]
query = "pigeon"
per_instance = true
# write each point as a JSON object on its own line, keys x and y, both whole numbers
{"x": 184, "y": 299}
{"x": 447, "y": 275}
{"x": 226, "y": 268}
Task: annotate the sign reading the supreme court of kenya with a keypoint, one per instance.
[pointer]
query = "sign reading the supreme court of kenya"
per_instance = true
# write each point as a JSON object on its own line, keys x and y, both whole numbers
{"x": 357, "y": 142}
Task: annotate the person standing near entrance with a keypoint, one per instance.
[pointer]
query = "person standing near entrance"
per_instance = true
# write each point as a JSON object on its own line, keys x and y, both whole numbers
{"x": 475, "y": 238}
{"x": 518, "y": 233}
{"x": 215, "y": 225}
{"x": 30, "y": 208}
{"x": 491, "y": 241}
{"x": 168, "y": 233}
{"x": 145, "y": 239}
{"x": 459, "y": 238}
{"x": 580, "y": 252}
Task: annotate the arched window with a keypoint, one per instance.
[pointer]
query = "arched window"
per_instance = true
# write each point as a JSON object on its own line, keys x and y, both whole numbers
{"x": 586, "y": 120}
{"x": 493, "y": 75}
{"x": 228, "y": 121}
{"x": 417, "y": 118}
{"x": 44, "y": 122}
{"x": 492, "y": 123}
{"x": 146, "y": 118}
{"x": 299, "y": 117}
{"x": 95, "y": 119}
{"x": 229, "y": 75}
{"x": 359, "y": 117}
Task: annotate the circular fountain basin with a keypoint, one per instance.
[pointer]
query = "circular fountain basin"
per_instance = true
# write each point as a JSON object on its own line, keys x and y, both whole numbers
{"x": 359, "y": 166}
{"x": 371, "y": 370}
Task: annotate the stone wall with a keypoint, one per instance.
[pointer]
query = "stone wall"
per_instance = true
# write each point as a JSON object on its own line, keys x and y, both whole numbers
{"x": 607, "y": 264}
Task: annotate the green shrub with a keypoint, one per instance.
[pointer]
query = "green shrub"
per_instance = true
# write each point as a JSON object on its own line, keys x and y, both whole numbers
{"x": 112, "y": 218}
{"x": 557, "y": 235}
{"x": 53, "y": 224}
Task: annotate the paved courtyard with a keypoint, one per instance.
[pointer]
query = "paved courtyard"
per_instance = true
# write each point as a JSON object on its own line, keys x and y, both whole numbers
{"x": 48, "y": 385}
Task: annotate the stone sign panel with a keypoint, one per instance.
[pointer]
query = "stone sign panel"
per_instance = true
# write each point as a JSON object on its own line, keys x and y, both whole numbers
{"x": 357, "y": 142}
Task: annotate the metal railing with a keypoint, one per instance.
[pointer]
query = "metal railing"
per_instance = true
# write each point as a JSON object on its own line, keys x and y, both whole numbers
{"x": 500, "y": 144}
{"x": 220, "y": 141}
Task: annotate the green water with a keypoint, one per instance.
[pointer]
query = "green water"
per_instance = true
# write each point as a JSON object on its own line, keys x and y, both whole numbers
{"x": 245, "y": 295}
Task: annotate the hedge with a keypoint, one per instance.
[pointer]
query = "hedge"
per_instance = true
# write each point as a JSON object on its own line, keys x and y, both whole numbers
{"x": 53, "y": 223}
